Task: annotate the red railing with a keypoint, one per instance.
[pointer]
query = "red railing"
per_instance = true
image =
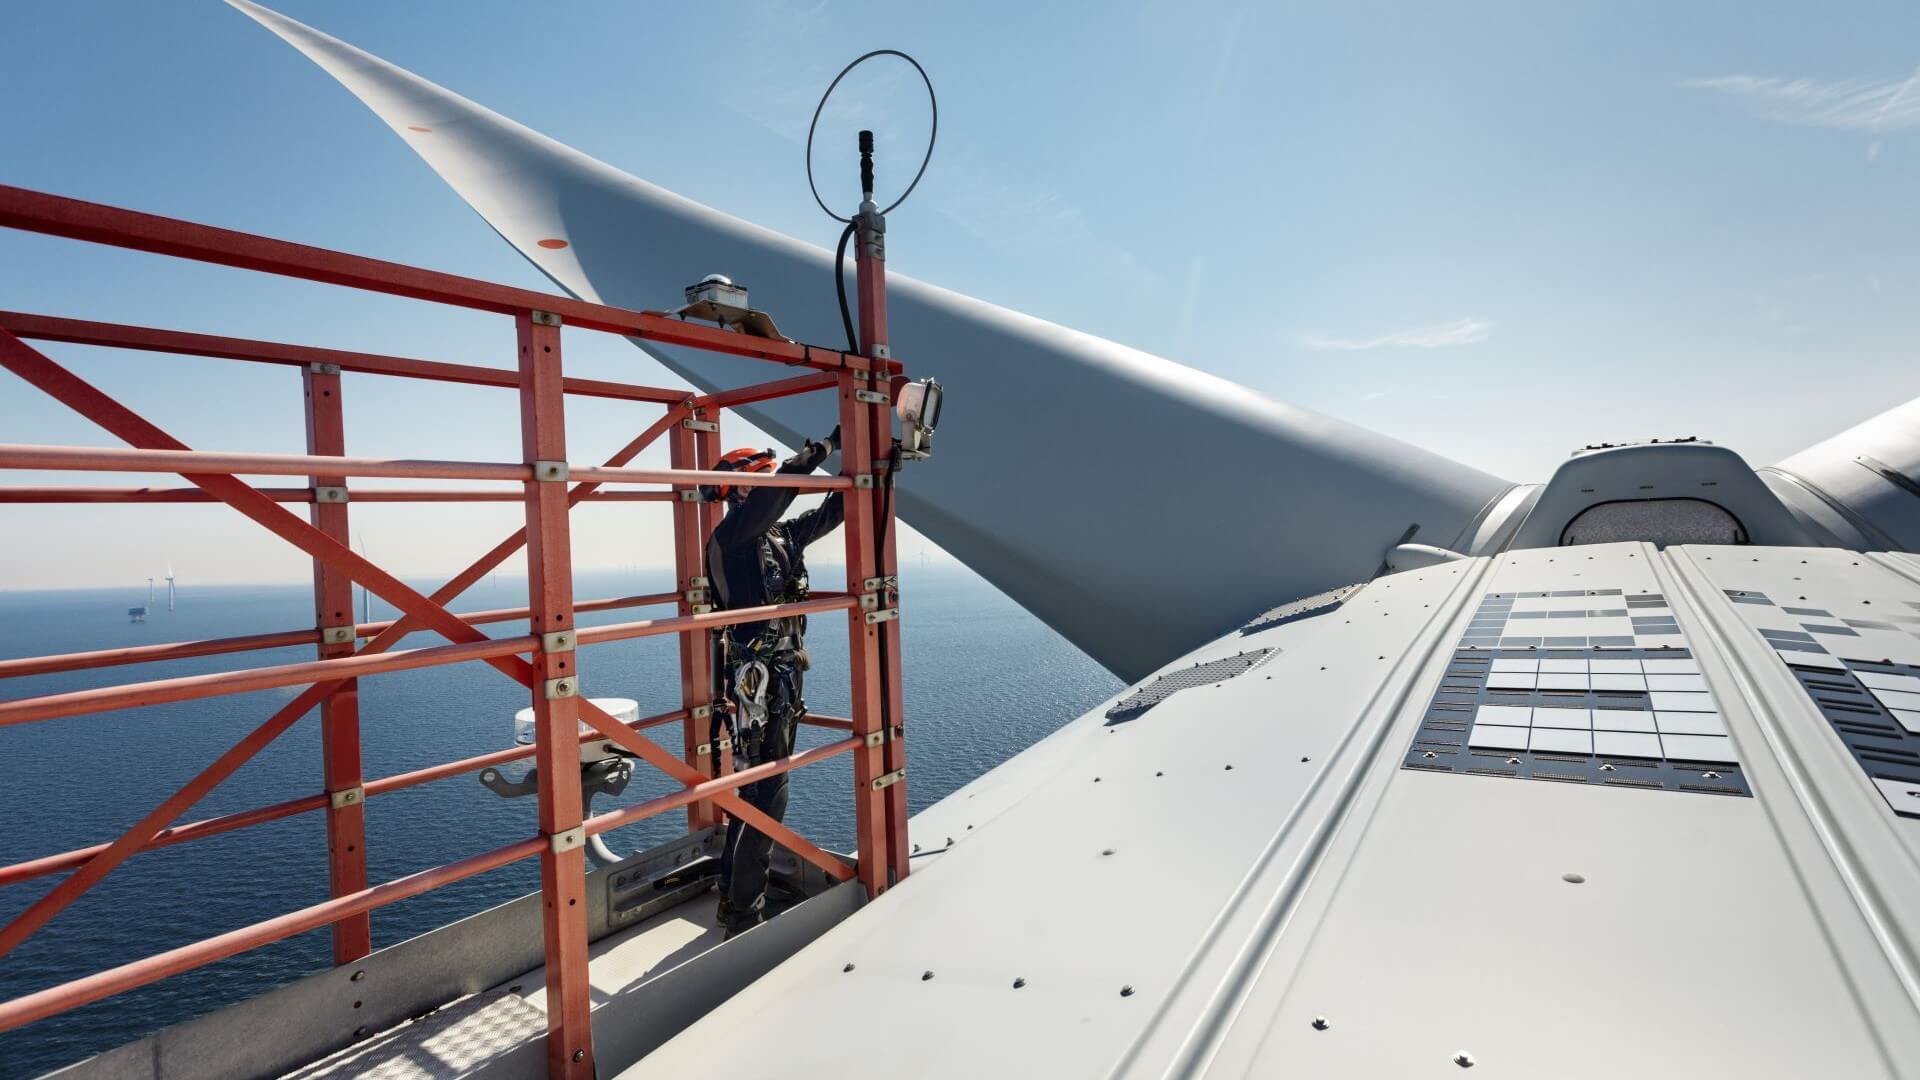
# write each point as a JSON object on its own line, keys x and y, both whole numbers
{"x": 543, "y": 659}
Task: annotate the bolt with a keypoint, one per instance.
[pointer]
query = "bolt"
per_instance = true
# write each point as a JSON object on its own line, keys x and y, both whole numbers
{"x": 1229, "y": 768}
{"x": 925, "y": 975}
{"x": 1126, "y": 991}
{"x": 1429, "y": 755}
{"x": 1320, "y": 1023}
{"x": 1106, "y": 851}
{"x": 1018, "y": 983}
{"x": 359, "y": 1033}
{"x": 1606, "y": 768}
{"x": 1709, "y": 776}
{"x": 1463, "y": 1059}
{"x": 579, "y": 1055}
{"x": 1159, "y": 774}
{"x": 359, "y": 975}
{"x": 1573, "y": 879}
{"x": 848, "y": 968}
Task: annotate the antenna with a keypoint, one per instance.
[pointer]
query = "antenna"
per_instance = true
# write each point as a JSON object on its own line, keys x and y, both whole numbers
{"x": 169, "y": 586}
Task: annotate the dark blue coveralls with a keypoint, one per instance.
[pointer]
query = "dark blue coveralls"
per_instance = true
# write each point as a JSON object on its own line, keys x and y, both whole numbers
{"x": 755, "y": 559}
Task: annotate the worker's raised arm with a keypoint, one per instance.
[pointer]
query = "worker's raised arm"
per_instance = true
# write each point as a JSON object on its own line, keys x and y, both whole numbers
{"x": 764, "y": 505}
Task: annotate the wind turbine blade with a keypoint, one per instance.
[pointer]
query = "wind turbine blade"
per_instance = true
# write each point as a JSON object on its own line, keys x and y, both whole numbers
{"x": 1862, "y": 485}
{"x": 1137, "y": 506}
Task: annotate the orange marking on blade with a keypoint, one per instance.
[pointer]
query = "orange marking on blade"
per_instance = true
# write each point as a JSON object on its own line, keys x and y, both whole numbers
{"x": 416, "y": 127}
{"x": 554, "y": 244}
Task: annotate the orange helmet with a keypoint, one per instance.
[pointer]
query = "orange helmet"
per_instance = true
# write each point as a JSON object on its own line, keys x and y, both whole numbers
{"x": 745, "y": 459}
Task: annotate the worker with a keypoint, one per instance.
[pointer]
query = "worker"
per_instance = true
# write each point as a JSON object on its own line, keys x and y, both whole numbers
{"x": 755, "y": 559}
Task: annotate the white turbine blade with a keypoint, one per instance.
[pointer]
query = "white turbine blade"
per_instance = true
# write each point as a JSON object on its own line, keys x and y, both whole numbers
{"x": 1862, "y": 485}
{"x": 1137, "y": 506}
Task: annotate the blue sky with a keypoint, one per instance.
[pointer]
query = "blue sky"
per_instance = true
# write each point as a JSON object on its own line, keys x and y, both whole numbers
{"x": 1496, "y": 230}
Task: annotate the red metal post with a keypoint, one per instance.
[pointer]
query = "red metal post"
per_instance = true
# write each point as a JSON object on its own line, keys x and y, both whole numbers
{"x": 556, "y": 701}
{"x": 340, "y": 711}
{"x": 696, "y": 646}
{"x": 871, "y": 285}
{"x": 863, "y": 642}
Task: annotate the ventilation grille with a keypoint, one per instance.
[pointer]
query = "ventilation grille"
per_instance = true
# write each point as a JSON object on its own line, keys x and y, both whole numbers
{"x": 1136, "y": 704}
{"x": 1305, "y": 607}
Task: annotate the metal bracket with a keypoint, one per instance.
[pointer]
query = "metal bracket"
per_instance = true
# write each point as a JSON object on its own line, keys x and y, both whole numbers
{"x": 352, "y": 796}
{"x": 324, "y": 369}
{"x": 692, "y": 495}
{"x": 883, "y": 615}
{"x": 887, "y": 781}
{"x": 874, "y": 584}
{"x": 870, "y": 601}
{"x": 558, "y": 641}
{"x": 546, "y": 318}
{"x": 701, "y": 712}
{"x": 864, "y": 481}
{"x": 337, "y": 635}
{"x": 549, "y": 470}
{"x": 563, "y": 842}
{"x": 872, "y": 397}
{"x": 696, "y": 597}
{"x": 701, "y": 425}
{"x": 881, "y": 737}
{"x": 329, "y": 494}
{"x": 881, "y": 352}
{"x": 565, "y": 687}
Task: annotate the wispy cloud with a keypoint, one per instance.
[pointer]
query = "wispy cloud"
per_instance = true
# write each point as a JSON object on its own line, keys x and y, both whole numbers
{"x": 1462, "y": 331}
{"x": 1847, "y": 105}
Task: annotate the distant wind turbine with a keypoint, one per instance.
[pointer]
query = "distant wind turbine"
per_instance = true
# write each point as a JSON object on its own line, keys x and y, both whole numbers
{"x": 169, "y": 586}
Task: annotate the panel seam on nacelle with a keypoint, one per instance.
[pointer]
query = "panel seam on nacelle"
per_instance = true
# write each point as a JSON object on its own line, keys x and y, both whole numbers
{"x": 1384, "y": 710}
{"x": 1710, "y": 609}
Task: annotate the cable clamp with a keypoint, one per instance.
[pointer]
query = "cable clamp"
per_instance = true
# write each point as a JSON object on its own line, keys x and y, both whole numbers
{"x": 565, "y": 687}
{"x": 545, "y": 318}
{"x": 883, "y": 615}
{"x": 337, "y": 635}
{"x": 880, "y": 783}
{"x": 549, "y": 470}
{"x": 701, "y": 425}
{"x": 557, "y": 642}
{"x": 563, "y": 842}
{"x": 324, "y": 369}
{"x": 872, "y": 397}
{"x": 346, "y": 797}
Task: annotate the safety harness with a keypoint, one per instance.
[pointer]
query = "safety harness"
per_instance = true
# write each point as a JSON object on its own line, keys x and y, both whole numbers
{"x": 750, "y": 670}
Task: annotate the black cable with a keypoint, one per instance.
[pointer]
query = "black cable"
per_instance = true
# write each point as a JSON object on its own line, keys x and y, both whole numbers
{"x": 840, "y": 287}
{"x": 933, "y": 104}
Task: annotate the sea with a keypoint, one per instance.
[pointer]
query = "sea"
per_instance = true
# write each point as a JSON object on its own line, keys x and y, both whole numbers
{"x": 983, "y": 680}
